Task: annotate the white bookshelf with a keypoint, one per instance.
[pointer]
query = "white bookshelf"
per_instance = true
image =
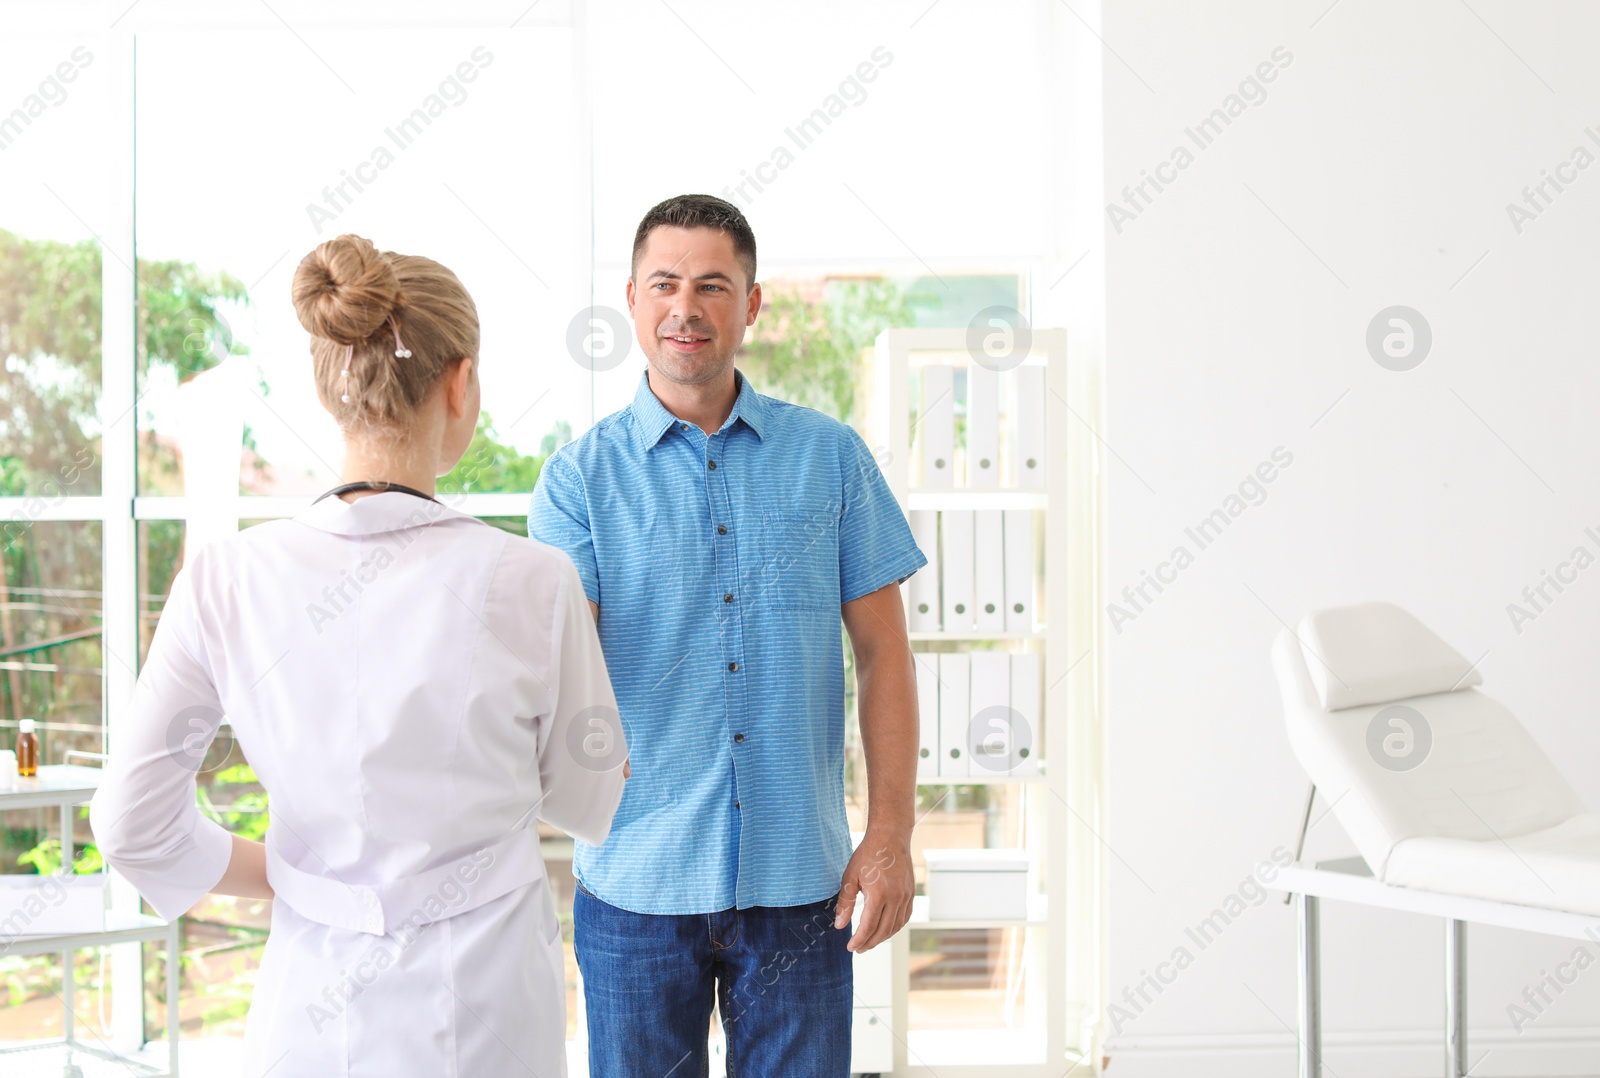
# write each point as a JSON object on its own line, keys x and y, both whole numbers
{"x": 1065, "y": 877}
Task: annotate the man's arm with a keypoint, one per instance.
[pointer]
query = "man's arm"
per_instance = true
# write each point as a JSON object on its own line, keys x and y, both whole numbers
{"x": 887, "y": 705}
{"x": 627, "y": 765}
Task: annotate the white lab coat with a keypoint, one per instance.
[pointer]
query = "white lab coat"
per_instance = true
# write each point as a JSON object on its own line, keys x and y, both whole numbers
{"x": 404, "y": 680}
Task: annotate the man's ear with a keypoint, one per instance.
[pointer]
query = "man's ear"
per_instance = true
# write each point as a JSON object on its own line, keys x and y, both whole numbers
{"x": 753, "y": 305}
{"x": 630, "y": 297}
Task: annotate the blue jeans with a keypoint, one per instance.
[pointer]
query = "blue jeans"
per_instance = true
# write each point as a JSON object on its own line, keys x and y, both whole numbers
{"x": 780, "y": 975}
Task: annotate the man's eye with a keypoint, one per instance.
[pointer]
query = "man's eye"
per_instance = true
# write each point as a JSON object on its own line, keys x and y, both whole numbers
{"x": 713, "y": 288}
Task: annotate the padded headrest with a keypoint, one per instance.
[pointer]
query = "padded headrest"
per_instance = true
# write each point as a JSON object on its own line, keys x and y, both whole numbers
{"x": 1374, "y": 653}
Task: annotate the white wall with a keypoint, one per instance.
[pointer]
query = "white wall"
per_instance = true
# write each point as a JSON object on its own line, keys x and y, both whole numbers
{"x": 1376, "y": 172}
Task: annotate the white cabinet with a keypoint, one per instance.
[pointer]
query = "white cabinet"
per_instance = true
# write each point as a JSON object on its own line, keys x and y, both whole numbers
{"x": 871, "y": 1041}
{"x": 874, "y": 977}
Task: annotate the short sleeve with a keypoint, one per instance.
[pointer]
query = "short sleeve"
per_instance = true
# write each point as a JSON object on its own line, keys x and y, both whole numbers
{"x": 875, "y": 544}
{"x": 559, "y": 517}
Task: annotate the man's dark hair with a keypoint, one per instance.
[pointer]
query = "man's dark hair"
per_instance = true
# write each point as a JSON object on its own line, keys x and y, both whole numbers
{"x": 701, "y": 211}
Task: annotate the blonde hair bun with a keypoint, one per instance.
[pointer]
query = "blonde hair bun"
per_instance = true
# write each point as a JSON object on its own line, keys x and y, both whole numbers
{"x": 345, "y": 290}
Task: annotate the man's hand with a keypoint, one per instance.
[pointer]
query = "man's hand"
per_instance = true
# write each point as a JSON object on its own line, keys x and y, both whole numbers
{"x": 880, "y": 869}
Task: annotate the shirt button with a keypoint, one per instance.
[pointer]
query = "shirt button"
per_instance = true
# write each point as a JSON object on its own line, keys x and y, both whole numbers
{"x": 684, "y": 426}
{"x": 738, "y": 737}
{"x": 728, "y": 598}
{"x": 733, "y": 666}
{"x": 736, "y": 804}
{"x": 722, "y": 529}
{"x": 369, "y": 899}
{"x": 711, "y": 464}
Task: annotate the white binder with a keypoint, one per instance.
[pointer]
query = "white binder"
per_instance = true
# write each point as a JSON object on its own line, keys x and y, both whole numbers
{"x": 923, "y": 589}
{"x": 989, "y": 571}
{"x": 955, "y": 673}
{"x": 983, "y": 426}
{"x": 1025, "y": 410}
{"x": 1019, "y": 600}
{"x": 989, "y": 731}
{"x": 955, "y": 526}
{"x": 936, "y": 426}
{"x": 1027, "y": 700}
{"x": 927, "y": 713}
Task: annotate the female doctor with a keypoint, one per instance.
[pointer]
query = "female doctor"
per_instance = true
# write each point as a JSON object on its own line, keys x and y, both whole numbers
{"x": 413, "y": 687}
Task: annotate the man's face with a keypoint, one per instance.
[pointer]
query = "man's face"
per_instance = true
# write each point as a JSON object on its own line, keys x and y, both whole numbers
{"x": 691, "y": 303}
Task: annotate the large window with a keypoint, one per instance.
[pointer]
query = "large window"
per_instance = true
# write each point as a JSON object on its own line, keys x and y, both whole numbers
{"x": 161, "y": 177}
{"x": 422, "y": 140}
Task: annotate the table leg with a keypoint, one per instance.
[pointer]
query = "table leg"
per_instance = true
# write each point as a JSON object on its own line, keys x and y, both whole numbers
{"x": 68, "y": 1017}
{"x": 172, "y": 997}
{"x": 1455, "y": 998}
{"x": 1310, "y": 987}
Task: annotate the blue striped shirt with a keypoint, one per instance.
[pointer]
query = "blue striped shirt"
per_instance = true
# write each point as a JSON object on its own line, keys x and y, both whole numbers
{"x": 719, "y": 563}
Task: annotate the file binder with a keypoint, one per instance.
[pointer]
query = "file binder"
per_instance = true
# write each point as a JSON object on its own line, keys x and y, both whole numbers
{"x": 955, "y": 670}
{"x": 983, "y": 426}
{"x": 923, "y": 588}
{"x": 956, "y": 529}
{"x": 989, "y": 730}
{"x": 1027, "y": 702}
{"x": 936, "y": 426}
{"x": 927, "y": 713}
{"x": 1019, "y": 599}
{"x": 1026, "y": 411}
{"x": 989, "y": 571}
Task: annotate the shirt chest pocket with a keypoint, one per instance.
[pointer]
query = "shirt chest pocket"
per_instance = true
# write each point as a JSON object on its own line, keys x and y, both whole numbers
{"x": 798, "y": 563}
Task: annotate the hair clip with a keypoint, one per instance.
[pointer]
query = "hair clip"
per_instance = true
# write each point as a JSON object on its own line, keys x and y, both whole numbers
{"x": 349, "y": 349}
{"x": 400, "y": 350}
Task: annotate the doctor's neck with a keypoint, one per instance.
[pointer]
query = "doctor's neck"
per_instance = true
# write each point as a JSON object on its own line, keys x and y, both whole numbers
{"x": 429, "y": 443}
{"x": 368, "y": 460}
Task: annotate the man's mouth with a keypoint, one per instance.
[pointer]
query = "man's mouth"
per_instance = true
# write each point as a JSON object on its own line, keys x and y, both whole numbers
{"x": 685, "y": 342}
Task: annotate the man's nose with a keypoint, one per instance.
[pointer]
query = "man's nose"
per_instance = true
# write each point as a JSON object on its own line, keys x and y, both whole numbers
{"x": 686, "y": 305}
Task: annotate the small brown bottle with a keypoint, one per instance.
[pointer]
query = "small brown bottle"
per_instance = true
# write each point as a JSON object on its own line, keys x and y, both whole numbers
{"x": 27, "y": 749}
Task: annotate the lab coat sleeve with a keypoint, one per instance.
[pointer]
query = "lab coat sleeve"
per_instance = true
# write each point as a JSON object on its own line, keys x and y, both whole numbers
{"x": 582, "y": 752}
{"x": 144, "y": 817}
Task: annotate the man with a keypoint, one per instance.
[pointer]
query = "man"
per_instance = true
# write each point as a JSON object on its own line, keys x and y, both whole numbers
{"x": 721, "y": 536}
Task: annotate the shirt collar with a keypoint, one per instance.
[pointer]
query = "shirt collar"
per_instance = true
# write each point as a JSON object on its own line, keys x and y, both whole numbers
{"x": 651, "y": 419}
{"x": 375, "y": 513}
